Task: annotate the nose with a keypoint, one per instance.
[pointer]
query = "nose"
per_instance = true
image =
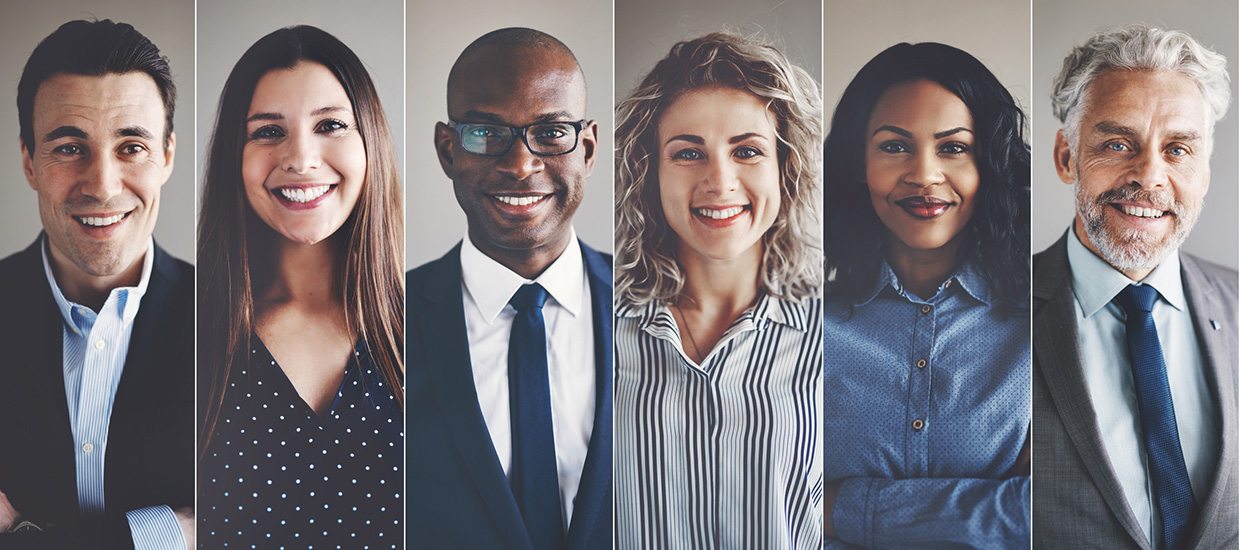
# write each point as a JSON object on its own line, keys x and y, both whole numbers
{"x": 102, "y": 179}
{"x": 301, "y": 153}
{"x": 519, "y": 162}
{"x": 1150, "y": 169}
{"x": 721, "y": 176}
{"x": 924, "y": 169}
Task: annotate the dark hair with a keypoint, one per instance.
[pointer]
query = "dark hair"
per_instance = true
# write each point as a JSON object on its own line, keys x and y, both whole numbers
{"x": 371, "y": 260}
{"x": 92, "y": 48}
{"x": 507, "y": 40}
{"x": 1000, "y": 223}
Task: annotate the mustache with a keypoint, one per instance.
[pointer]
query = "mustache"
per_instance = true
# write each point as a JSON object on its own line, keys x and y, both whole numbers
{"x": 1161, "y": 200}
{"x": 83, "y": 203}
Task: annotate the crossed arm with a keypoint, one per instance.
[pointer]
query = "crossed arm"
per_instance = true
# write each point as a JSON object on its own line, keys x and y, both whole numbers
{"x": 152, "y": 527}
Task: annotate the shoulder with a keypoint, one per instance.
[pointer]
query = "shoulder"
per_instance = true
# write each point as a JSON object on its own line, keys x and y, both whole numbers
{"x": 1198, "y": 272}
{"x": 418, "y": 277}
{"x": 595, "y": 259}
{"x": 22, "y": 264}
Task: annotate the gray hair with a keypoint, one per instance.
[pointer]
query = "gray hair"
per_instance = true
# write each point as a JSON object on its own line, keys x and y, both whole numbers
{"x": 1138, "y": 47}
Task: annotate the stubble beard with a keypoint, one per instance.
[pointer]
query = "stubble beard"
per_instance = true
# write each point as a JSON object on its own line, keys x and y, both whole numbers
{"x": 1133, "y": 249}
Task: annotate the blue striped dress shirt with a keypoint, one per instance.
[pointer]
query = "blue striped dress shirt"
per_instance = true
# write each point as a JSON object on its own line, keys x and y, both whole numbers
{"x": 94, "y": 348}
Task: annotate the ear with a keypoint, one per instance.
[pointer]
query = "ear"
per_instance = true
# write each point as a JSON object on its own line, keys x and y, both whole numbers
{"x": 589, "y": 144}
{"x": 28, "y": 167}
{"x": 169, "y": 156}
{"x": 445, "y": 148}
{"x": 1065, "y": 165}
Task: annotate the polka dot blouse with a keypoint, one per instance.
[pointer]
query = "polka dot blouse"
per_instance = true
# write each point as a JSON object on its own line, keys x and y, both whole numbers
{"x": 279, "y": 477}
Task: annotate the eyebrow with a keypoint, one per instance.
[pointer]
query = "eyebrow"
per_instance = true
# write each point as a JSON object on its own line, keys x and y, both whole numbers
{"x": 64, "y": 131}
{"x": 745, "y": 136}
{"x": 908, "y": 134}
{"x": 134, "y": 131}
{"x": 1121, "y": 130}
{"x": 687, "y": 137}
{"x": 956, "y": 130}
{"x": 278, "y": 116}
{"x": 557, "y": 116}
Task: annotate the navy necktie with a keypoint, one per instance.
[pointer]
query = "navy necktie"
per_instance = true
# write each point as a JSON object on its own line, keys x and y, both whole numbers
{"x": 1172, "y": 492}
{"x": 535, "y": 483}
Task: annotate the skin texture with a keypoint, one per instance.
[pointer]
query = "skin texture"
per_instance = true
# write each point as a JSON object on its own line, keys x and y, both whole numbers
{"x": 517, "y": 87}
{"x": 921, "y": 144}
{"x": 1144, "y": 141}
{"x": 302, "y": 134}
{"x": 98, "y": 152}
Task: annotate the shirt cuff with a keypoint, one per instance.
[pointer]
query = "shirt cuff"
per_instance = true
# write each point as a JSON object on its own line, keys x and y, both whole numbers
{"x": 852, "y": 512}
{"x": 155, "y": 528}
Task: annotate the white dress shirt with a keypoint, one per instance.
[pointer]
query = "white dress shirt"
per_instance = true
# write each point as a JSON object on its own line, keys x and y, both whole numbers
{"x": 1108, "y": 372}
{"x": 486, "y": 286}
{"x": 95, "y": 346}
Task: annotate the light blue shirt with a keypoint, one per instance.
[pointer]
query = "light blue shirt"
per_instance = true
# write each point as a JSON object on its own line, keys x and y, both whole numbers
{"x": 1108, "y": 373}
{"x": 94, "y": 348}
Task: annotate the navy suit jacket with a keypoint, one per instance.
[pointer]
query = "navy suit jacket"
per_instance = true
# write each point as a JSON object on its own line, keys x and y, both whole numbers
{"x": 150, "y": 450}
{"x": 458, "y": 494}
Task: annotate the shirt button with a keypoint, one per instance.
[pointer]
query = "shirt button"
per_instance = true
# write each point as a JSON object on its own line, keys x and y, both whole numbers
{"x": 88, "y": 448}
{"x": 925, "y": 309}
{"x": 921, "y": 363}
{"x": 99, "y": 343}
{"x": 918, "y": 424}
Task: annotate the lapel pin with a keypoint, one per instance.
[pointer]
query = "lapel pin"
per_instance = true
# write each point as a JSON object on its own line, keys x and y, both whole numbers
{"x": 1215, "y": 324}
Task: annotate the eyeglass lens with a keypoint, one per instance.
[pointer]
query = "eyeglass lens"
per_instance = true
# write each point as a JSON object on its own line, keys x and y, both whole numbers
{"x": 552, "y": 138}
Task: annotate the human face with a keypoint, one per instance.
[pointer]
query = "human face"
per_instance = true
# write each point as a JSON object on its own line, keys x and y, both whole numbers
{"x": 718, "y": 172}
{"x": 98, "y": 164}
{"x": 920, "y": 166}
{"x": 1140, "y": 166}
{"x": 304, "y": 162}
{"x": 518, "y": 88}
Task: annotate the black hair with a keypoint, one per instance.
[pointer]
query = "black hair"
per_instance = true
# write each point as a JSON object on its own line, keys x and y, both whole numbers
{"x": 1000, "y": 224}
{"x": 92, "y": 48}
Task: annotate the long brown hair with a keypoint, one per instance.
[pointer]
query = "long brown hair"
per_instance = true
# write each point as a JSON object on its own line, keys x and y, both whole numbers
{"x": 370, "y": 262}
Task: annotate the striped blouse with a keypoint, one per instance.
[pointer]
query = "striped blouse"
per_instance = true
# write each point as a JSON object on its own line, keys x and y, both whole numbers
{"x": 727, "y": 454}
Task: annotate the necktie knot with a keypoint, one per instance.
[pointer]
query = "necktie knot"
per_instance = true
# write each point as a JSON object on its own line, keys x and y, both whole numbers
{"x": 528, "y": 296}
{"x": 1137, "y": 298}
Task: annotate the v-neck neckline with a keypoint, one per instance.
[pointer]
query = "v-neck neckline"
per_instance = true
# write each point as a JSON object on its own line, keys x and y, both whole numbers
{"x": 284, "y": 379}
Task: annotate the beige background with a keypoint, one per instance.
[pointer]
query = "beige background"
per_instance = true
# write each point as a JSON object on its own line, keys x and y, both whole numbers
{"x": 169, "y": 24}
{"x": 1058, "y": 25}
{"x": 436, "y": 34}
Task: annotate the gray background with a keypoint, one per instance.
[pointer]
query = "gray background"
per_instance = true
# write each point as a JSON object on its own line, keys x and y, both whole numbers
{"x": 1061, "y": 24}
{"x": 170, "y": 25}
{"x": 995, "y": 32}
{"x": 371, "y": 28}
{"x": 436, "y": 34}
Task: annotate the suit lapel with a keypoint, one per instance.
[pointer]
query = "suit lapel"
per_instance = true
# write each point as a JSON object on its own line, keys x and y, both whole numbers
{"x": 442, "y": 321}
{"x": 1217, "y": 347}
{"x": 1057, "y": 354}
{"x": 595, "y": 488}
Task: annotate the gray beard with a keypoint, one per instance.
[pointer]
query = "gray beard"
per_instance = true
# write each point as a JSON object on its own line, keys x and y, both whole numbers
{"x": 1130, "y": 250}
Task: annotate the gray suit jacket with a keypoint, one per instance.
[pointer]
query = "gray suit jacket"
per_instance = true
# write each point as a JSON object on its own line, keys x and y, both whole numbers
{"x": 1077, "y": 498}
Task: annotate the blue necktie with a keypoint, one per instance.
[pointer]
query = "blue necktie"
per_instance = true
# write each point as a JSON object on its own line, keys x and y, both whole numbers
{"x": 535, "y": 483}
{"x": 1172, "y": 492}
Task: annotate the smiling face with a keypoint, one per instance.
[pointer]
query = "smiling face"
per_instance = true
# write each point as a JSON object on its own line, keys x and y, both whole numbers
{"x": 1141, "y": 166}
{"x": 920, "y": 166}
{"x": 98, "y": 164}
{"x": 304, "y": 162}
{"x": 718, "y": 172}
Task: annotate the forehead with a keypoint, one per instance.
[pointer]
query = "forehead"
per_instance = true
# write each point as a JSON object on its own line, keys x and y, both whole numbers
{"x": 920, "y": 105}
{"x": 98, "y": 102}
{"x": 518, "y": 86}
{"x": 297, "y": 90}
{"x": 717, "y": 110}
{"x": 1146, "y": 101}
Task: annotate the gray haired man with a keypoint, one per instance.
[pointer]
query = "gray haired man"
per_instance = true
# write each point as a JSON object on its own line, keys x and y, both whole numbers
{"x": 1134, "y": 342}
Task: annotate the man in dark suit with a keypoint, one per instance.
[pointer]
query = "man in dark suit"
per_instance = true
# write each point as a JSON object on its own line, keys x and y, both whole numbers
{"x": 98, "y": 380}
{"x": 1134, "y": 342}
{"x": 509, "y": 421}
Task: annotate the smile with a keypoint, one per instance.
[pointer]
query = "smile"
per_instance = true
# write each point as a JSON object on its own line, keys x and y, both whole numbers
{"x": 519, "y": 200}
{"x": 1139, "y": 211}
{"x": 720, "y": 213}
{"x": 98, "y": 221}
{"x": 303, "y": 194}
{"x": 924, "y": 207}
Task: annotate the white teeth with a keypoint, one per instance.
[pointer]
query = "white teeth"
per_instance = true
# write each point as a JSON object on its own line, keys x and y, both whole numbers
{"x": 101, "y": 222}
{"x": 306, "y": 194}
{"x": 719, "y": 214}
{"x": 518, "y": 201}
{"x": 1141, "y": 211}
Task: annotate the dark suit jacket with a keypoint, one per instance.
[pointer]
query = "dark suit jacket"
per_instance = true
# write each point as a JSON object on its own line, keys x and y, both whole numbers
{"x": 150, "y": 454}
{"x": 1077, "y": 499}
{"x": 458, "y": 494}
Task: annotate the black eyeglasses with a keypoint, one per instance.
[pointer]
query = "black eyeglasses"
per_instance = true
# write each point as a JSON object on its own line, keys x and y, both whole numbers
{"x": 545, "y": 139}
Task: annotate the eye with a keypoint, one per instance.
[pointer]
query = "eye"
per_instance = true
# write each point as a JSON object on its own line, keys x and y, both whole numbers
{"x": 69, "y": 149}
{"x": 267, "y": 133}
{"x": 954, "y": 148}
{"x": 330, "y": 125}
{"x": 1178, "y": 150}
{"x": 550, "y": 132}
{"x": 747, "y": 152}
{"x": 1116, "y": 146}
{"x": 132, "y": 149}
{"x": 893, "y": 147}
{"x": 687, "y": 154}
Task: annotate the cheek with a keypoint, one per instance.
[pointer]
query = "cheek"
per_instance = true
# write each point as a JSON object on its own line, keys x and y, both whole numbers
{"x": 348, "y": 157}
{"x": 673, "y": 192}
{"x": 256, "y": 165}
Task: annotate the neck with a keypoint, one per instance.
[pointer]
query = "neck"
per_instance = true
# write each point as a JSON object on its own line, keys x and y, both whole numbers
{"x": 1133, "y": 274}
{"x": 91, "y": 290}
{"x": 305, "y": 273}
{"x": 528, "y": 263}
{"x": 719, "y": 287}
{"x": 922, "y": 271}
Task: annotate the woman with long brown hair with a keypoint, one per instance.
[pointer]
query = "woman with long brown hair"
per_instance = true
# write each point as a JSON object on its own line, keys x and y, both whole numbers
{"x": 301, "y": 305}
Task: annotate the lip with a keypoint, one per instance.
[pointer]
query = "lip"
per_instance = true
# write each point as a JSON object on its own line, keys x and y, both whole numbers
{"x": 102, "y": 232}
{"x": 303, "y": 187}
{"x": 717, "y": 210}
{"x": 519, "y": 205}
{"x": 924, "y": 207}
{"x": 1119, "y": 208}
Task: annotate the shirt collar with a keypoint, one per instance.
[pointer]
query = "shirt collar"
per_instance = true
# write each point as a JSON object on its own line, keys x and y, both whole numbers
{"x": 967, "y": 276}
{"x": 128, "y": 297}
{"x": 491, "y": 284}
{"x": 1095, "y": 282}
{"x": 768, "y": 309}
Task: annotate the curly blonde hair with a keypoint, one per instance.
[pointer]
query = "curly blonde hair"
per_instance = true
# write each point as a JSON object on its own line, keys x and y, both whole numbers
{"x": 646, "y": 266}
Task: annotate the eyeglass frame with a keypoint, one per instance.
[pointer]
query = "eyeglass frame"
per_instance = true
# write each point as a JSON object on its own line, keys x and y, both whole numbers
{"x": 520, "y": 132}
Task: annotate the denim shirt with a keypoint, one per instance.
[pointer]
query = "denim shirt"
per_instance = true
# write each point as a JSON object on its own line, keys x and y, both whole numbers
{"x": 927, "y": 408}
